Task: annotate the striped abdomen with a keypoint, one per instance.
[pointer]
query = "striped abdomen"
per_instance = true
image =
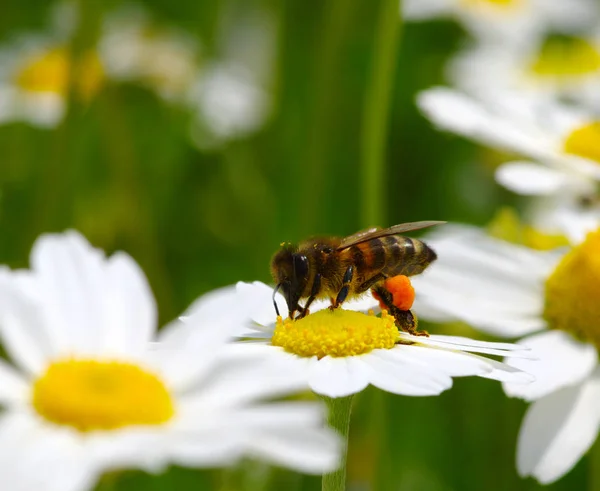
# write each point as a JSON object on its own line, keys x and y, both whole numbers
{"x": 391, "y": 255}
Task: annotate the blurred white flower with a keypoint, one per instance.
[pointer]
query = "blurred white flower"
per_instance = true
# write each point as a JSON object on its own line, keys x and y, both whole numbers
{"x": 558, "y": 66}
{"x": 506, "y": 20}
{"x": 87, "y": 390}
{"x": 512, "y": 291}
{"x": 231, "y": 96}
{"x": 135, "y": 49}
{"x": 341, "y": 352}
{"x": 227, "y": 103}
{"x": 37, "y": 72}
{"x": 562, "y": 140}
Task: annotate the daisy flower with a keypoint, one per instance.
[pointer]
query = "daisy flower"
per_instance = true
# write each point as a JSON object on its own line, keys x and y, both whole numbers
{"x": 508, "y": 20}
{"x": 37, "y": 72}
{"x": 555, "y": 66}
{"x": 90, "y": 386}
{"x": 230, "y": 98}
{"x": 550, "y": 298}
{"x": 562, "y": 141}
{"x": 342, "y": 351}
{"x": 135, "y": 49}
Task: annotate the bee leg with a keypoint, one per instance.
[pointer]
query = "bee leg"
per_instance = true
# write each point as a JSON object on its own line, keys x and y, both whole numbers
{"x": 405, "y": 320}
{"x": 343, "y": 293}
{"x": 314, "y": 291}
{"x": 363, "y": 287}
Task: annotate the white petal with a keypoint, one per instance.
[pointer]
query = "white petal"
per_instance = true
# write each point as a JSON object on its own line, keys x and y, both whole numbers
{"x": 560, "y": 361}
{"x": 34, "y": 456}
{"x": 257, "y": 301}
{"x": 390, "y": 372}
{"x": 246, "y": 373}
{"x": 470, "y": 345}
{"x": 71, "y": 279}
{"x": 203, "y": 307}
{"x": 530, "y": 179}
{"x": 132, "y": 308}
{"x": 505, "y": 373}
{"x": 22, "y": 326}
{"x": 309, "y": 450}
{"x": 189, "y": 346}
{"x": 13, "y": 387}
{"x": 497, "y": 122}
{"x": 450, "y": 362}
{"x": 482, "y": 281}
{"x": 558, "y": 429}
{"x": 337, "y": 377}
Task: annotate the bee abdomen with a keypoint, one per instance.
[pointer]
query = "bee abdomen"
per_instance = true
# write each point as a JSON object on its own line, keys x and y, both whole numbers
{"x": 407, "y": 256}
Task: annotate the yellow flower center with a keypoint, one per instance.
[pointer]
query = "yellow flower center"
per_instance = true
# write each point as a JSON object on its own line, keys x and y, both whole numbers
{"x": 491, "y": 3}
{"x": 335, "y": 333}
{"x": 561, "y": 57}
{"x": 506, "y": 225}
{"x": 95, "y": 395}
{"x": 52, "y": 71}
{"x": 573, "y": 291}
{"x": 585, "y": 141}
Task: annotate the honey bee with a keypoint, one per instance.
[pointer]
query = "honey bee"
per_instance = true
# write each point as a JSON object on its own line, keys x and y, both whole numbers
{"x": 341, "y": 268}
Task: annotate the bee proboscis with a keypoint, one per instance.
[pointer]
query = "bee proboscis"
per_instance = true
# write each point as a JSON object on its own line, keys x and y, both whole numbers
{"x": 342, "y": 268}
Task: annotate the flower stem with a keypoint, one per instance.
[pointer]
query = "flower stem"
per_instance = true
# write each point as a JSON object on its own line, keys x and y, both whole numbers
{"x": 339, "y": 419}
{"x": 376, "y": 111}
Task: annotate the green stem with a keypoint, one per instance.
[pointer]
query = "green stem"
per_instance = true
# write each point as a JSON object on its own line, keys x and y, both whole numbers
{"x": 376, "y": 112}
{"x": 339, "y": 419}
{"x": 594, "y": 467}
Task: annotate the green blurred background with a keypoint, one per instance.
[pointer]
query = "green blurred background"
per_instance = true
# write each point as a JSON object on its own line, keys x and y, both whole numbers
{"x": 123, "y": 170}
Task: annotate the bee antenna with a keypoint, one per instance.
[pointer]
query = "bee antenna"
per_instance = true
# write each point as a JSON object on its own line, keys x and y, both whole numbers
{"x": 274, "y": 302}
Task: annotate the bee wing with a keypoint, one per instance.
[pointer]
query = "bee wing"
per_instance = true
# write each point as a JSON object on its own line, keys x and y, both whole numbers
{"x": 357, "y": 237}
{"x": 374, "y": 233}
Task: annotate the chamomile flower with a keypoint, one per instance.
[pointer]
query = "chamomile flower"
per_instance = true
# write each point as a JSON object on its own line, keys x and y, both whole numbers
{"x": 551, "y": 298}
{"x": 230, "y": 98}
{"x": 342, "y": 351}
{"x": 161, "y": 58}
{"x": 563, "y": 66}
{"x": 38, "y": 71}
{"x": 562, "y": 141}
{"x": 508, "y": 20}
{"x": 90, "y": 386}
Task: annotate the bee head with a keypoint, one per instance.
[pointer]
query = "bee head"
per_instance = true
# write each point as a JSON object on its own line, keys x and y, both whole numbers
{"x": 290, "y": 273}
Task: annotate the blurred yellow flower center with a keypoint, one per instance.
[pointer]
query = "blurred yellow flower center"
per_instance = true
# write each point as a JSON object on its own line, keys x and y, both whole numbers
{"x": 52, "y": 70}
{"x": 506, "y": 225}
{"x": 493, "y": 3}
{"x": 585, "y": 141}
{"x": 573, "y": 291}
{"x": 335, "y": 333}
{"x": 94, "y": 395}
{"x": 566, "y": 57}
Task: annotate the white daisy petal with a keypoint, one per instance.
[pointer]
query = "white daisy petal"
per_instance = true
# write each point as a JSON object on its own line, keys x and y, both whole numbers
{"x": 132, "y": 304}
{"x": 13, "y": 387}
{"x": 310, "y": 451}
{"x": 72, "y": 283}
{"x": 505, "y": 373}
{"x": 480, "y": 280}
{"x": 21, "y": 326}
{"x": 530, "y": 179}
{"x": 558, "y": 429}
{"x": 577, "y": 360}
{"x": 453, "y": 363}
{"x": 239, "y": 377}
{"x": 390, "y": 372}
{"x": 470, "y": 345}
{"x": 337, "y": 377}
{"x": 256, "y": 299}
{"x": 36, "y": 457}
